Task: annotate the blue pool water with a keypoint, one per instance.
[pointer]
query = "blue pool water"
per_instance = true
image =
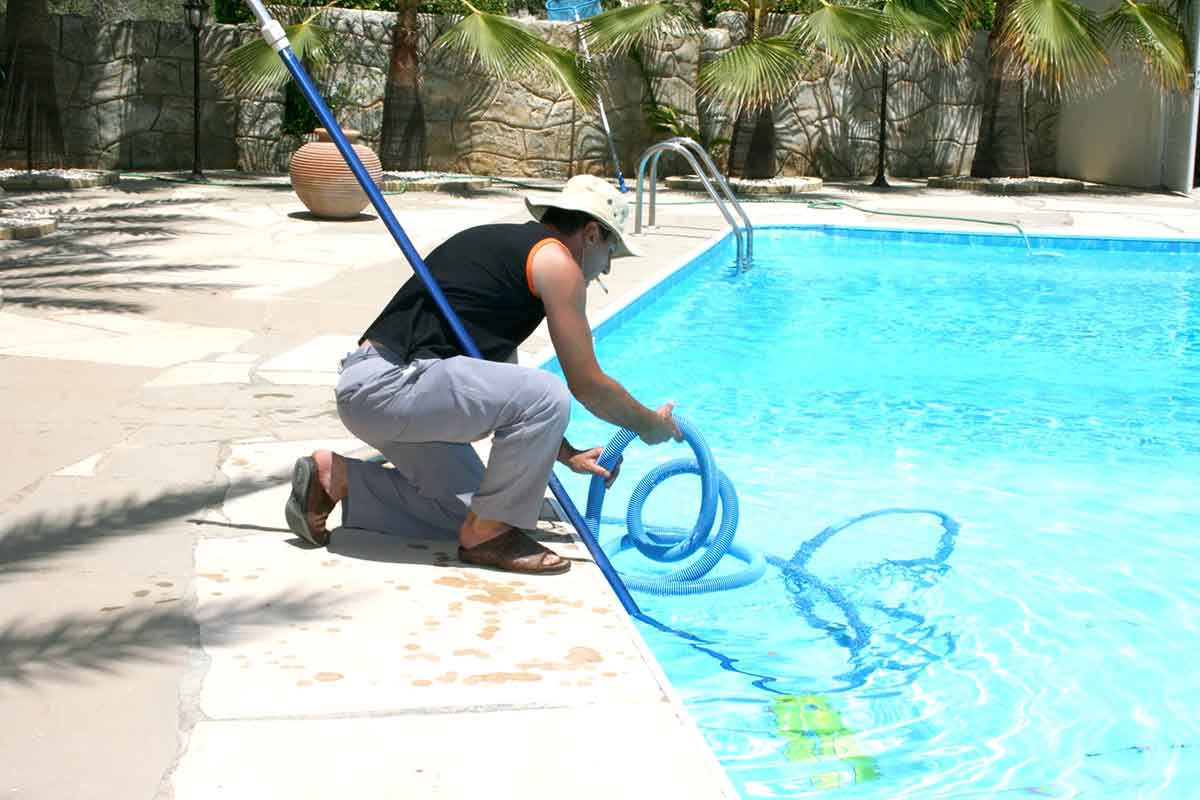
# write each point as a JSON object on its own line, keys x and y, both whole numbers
{"x": 1050, "y": 405}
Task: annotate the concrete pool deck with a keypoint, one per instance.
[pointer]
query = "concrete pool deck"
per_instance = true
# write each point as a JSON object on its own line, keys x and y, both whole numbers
{"x": 163, "y": 358}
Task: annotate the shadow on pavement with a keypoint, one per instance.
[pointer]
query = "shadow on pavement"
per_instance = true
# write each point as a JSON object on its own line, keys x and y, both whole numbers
{"x": 75, "y": 645}
{"x": 85, "y": 264}
{"x": 27, "y": 543}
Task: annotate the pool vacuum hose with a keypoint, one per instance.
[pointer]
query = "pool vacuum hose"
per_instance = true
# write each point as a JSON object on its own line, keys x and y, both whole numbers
{"x": 668, "y": 547}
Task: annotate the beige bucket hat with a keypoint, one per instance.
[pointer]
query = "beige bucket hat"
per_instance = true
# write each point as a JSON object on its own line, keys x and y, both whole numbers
{"x": 593, "y": 196}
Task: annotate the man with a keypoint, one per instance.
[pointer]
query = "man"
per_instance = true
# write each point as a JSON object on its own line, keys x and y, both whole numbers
{"x": 412, "y": 393}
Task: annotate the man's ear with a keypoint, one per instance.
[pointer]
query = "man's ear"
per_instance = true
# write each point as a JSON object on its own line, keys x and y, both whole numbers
{"x": 592, "y": 232}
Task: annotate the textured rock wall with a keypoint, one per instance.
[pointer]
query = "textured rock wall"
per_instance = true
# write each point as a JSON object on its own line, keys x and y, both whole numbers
{"x": 829, "y": 127}
{"x": 528, "y": 128}
{"x": 125, "y": 93}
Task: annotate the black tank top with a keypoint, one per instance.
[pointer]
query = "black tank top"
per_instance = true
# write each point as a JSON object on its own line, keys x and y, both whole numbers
{"x": 485, "y": 274}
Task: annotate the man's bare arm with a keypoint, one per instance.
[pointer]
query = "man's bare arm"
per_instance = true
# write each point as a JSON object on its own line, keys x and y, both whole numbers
{"x": 559, "y": 282}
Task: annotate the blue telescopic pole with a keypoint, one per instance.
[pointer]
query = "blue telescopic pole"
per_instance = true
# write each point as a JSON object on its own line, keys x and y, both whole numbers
{"x": 274, "y": 35}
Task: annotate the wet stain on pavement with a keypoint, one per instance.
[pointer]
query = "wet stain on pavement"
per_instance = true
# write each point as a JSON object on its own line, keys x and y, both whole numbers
{"x": 328, "y": 677}
{"x": 471, "y": 651}
{"x": 502, "y": 677}
{"x": 577, "y": 658}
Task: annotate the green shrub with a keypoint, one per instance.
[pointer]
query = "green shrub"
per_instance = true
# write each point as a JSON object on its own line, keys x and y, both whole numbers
{"x": 236, "y": 11}
{"x": 987, "y": 15}
{"x": 710, "y": 8}
{"x": 456, "y": 7}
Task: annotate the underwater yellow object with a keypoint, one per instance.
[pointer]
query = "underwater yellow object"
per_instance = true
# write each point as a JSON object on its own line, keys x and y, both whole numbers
{"x": 814, "y": 731}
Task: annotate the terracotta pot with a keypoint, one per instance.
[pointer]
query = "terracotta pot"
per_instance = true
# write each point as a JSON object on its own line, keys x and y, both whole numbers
{"x": 325, "y": 183}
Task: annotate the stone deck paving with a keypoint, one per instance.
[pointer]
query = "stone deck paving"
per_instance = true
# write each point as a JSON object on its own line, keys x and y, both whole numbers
{"x": 163, "y": 358}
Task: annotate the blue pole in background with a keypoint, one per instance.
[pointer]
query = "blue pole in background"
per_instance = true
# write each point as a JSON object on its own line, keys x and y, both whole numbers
{"x": 273, "y": 34}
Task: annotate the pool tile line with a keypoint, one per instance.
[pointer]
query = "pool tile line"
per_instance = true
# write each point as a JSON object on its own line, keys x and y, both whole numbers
{"x": 1146, "y": 244}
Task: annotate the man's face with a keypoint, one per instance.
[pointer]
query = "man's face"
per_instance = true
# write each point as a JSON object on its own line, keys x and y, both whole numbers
{"x": 598, "y": 248}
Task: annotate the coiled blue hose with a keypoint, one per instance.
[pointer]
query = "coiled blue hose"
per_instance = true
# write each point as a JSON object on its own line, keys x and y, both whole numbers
{"x": 668, "y": 547}
{"x": 676, "y": 544}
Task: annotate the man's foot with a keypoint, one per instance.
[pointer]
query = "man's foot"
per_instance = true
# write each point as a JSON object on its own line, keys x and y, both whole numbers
{"x": 309, "y": 505}
{"x": 514, "y": 551}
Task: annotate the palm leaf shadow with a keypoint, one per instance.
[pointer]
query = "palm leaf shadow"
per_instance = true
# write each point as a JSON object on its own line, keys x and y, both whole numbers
{"x": 28, "y": 543}
{"x": 74, "y": 646}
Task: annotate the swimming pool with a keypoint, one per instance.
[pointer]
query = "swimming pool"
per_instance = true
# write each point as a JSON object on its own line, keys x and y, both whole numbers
{"x": 1049, "y": 405}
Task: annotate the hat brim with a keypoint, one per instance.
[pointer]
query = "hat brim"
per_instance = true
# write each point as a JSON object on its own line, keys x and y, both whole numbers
{"x": 537, "y": 207}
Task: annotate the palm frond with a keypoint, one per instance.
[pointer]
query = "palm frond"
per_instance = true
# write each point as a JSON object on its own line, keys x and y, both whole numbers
{"x": 506, "y": 50}
{"x": 255, "y": 69}
{"x": 619, "y": 30}
{"x": 945, "y": 25}
{"x": 568, "y": 70}
{"x": 849, "y": 35}
{"x": 1154, "y": 32}
{"x": 755, "y": 74}
{"x": 1059, "y": 42}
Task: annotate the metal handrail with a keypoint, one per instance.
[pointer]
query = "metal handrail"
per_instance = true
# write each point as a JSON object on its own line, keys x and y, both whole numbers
{"x": 685, "y": 147}
{"x": 724, "y": 185}
{"x": 653, "y": 152}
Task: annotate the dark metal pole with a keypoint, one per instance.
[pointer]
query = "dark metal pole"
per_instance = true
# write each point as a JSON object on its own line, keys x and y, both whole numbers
{"x": 880, "y": 177}
{"x": 197, "y": 175}
{"x": 29, "y": 134}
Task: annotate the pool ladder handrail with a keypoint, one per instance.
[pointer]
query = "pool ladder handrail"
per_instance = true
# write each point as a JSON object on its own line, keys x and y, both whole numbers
{"x": 689, "y": 149}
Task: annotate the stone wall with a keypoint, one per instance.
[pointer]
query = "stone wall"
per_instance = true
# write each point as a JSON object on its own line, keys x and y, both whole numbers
{"x": 125, "y": 93}
{"x": 530, "y": 128}
{"x": 829, "y": 127}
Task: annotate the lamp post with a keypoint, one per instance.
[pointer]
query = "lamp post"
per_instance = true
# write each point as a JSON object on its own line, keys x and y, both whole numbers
{"x": 195, "y": 12}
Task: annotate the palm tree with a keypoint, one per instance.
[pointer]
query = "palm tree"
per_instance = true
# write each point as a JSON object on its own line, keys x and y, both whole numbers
{"x": 945, "y": 26}
{"x": 29, "y": 116}
{"x": 505, "y": 49}
{"x": 1062, "y": 47}
{"x": 403, "y": 145}
{"x": 255, "y": 69}
{"x": 779, "y": 51}
{"x": 759, "y": 72}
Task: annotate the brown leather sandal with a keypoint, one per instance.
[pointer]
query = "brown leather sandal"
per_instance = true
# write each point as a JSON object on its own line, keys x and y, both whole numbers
{"x": 514, "y": 551}
{"x": 307, "y": 496}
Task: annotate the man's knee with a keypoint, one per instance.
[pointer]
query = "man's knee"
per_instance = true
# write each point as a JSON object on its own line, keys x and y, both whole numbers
{"x": 555, "y": 398}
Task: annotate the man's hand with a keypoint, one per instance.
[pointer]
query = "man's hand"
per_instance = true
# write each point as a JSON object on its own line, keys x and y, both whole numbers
{"x": 664, "y": 427}
{"x": 585, "y": 462}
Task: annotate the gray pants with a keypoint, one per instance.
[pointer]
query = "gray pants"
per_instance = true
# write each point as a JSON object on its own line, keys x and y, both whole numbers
{"x": 422, "y": 417}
